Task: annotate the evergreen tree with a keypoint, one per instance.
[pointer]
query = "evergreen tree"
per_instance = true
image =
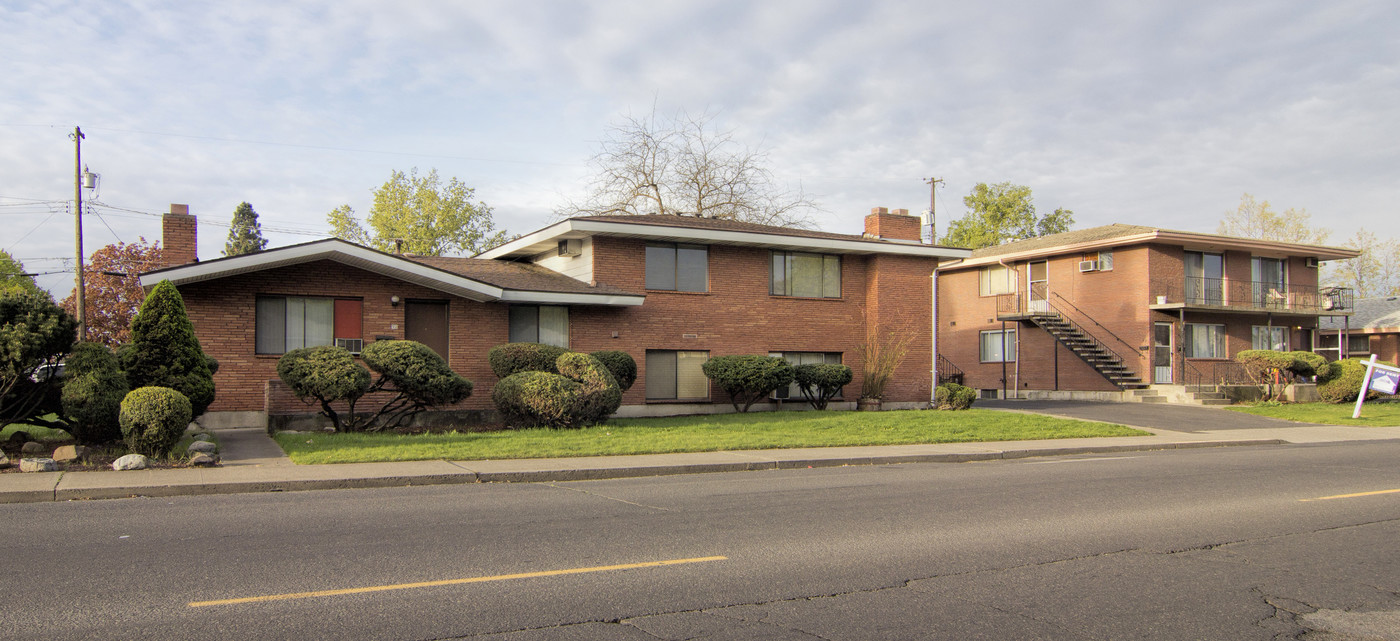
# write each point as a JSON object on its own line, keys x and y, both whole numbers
{"x": 164, "y": 352}
{"x": 12, "y": 275}
{"x": 244, "y": 234}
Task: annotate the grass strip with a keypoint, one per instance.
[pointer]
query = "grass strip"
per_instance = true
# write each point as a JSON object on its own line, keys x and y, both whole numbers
{"x": 709, "y": 433}
{"x": 1373, "y": 414}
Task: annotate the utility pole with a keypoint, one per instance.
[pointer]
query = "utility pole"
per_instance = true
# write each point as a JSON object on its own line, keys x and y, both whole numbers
{"x": 933, "y": 184}
{"x": 77, "y": 137}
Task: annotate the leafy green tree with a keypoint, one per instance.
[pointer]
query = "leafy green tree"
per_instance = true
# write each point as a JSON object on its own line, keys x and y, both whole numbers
{"x": 112, "y": 277}
{"x": 12, "y": 275}
{"x": 1000, "y": 213}
{"x": 164, "y": 352}
{"x": 244, "y": 234}
{"x": 747, "y": 378}
{"x": 35, "y": 334}
{"x": 421, "y": 215}
{"x": 1256, "y": 219}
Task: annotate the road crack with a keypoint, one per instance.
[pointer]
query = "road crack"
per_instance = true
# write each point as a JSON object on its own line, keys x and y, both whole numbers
{"x": 610, "y": 498}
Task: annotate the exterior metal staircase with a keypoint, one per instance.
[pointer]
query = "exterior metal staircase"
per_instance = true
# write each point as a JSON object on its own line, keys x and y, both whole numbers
{"x": 1089, "y": 349}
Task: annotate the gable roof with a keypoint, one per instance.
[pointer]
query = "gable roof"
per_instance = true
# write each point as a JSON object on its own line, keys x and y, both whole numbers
{"x": 474, "y": 279}
{"x": 1375, "y": 314}
{"x": 1119, "y": 235}
{"x": 691, "y": 229}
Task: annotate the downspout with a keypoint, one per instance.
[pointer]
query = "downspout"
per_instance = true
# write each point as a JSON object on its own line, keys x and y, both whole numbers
{"x": 1017, "y": 386}
{"x": 933, "y": 360}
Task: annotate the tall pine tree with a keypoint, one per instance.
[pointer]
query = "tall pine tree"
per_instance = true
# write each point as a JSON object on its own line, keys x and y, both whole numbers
{"x": 244, "y": 234}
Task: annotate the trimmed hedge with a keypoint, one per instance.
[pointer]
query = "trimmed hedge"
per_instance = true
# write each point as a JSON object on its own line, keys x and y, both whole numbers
{"x": 326, "y": 374}
{"x": 621, "y": 365}
{"x": 416, "y": 371}
{"x": 93, "y": 389}
{"x": 952, "y": 396}
{"x": 584, "y": 393}
{"x": 821, "y": 382}
{"x": 513, "y": 358}
{"x": 747, "y": 378}
{"x": 1342, "y": 381}
{"x": 153, "y": 419}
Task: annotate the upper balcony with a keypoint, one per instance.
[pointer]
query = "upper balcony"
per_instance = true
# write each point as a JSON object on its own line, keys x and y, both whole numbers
{"x": 1221, "y": 294}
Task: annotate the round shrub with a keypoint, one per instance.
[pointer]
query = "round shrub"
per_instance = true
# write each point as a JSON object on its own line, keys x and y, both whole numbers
{"x": 93, "y": 389}
{"x": 952, "y": 396}
{"x": 621, "y": 365}
{"x": 747, "y": 378}
{"x": 585, "y": 393}
{"x": 1343, "y": 381}
{"x": 511, "y": 358}
{"x": 821, "y": 382}
{"x": 1305, "y": 363}
{"x": 153, "y": 419}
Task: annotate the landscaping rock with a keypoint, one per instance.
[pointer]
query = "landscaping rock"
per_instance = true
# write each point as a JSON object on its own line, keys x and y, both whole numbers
{"x": 193, "y": 428}
{"x": 37, "y": 465}
{"x": 34, "y": 447}
{"x": 71, "y": 453}
{"x": 131, "y": 462}
{"x": 4, "y": 460}
{"x": 19, "y": 436}
{"x": 202, "y": 446}
{"x": 203, "y": 436}
{"x": 200, "y": 459}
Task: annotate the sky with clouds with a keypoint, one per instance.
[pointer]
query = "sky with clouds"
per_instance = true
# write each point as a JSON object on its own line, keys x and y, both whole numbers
{"x": 1160, "y": 113}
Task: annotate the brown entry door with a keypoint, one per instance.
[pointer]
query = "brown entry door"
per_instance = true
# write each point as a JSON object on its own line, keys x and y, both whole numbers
{"x": 426, "y": 322}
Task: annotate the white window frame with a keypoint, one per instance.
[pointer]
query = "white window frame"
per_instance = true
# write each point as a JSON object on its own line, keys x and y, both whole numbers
{"x": 995, "y": 280}
{"x": 1257, "y": 331}
{"x": 1217, "y": 344}
{"x": 691, "y": 358}
{"x": 543, "y": 314}
{"x": 990, "y": 346}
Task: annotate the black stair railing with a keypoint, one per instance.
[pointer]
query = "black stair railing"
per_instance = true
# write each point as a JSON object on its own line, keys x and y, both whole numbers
{"x": 948, "y": 372}
{"x": 1114, "y": 358}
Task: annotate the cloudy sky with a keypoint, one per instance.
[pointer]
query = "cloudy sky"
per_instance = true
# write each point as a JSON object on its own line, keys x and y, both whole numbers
{"x": 1139, "y": 112}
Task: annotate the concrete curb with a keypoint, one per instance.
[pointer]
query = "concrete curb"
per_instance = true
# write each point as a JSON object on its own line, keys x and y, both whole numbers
{"x": 69, "y": 487}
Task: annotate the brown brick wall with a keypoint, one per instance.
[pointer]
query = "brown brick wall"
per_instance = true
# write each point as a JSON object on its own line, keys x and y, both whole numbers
{"x": 179, "y": 237}
{"x": 737, "y": 316}
{"x": 896, "y": 225}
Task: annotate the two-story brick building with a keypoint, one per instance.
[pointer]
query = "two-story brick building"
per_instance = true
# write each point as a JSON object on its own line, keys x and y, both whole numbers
{"x": 671, "y": 291}
{"x": 1121, "y": 307}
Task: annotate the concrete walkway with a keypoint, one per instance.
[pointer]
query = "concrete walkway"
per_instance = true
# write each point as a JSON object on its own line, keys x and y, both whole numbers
{"x": 252, "y": 462}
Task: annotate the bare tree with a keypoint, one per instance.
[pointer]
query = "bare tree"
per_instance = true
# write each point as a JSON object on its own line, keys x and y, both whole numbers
{"x": 1255, "y": 219}
{"x": 684, "y": 166}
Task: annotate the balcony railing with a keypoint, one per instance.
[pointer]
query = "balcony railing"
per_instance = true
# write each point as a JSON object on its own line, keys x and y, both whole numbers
{"x": 1250, "y": 295}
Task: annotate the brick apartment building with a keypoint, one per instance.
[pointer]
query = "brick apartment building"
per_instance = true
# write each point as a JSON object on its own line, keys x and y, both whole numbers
{"x": 1109, "y": 311}
{"x": 671, "y": 291}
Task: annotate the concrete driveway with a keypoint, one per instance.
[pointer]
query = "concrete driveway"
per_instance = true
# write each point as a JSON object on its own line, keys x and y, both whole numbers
{"x": 1178, "y": 418}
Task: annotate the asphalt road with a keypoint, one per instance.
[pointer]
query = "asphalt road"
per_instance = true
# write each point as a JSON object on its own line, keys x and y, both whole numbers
{"x": 1178, "y": 418}
{"x": 1229, "y": 543}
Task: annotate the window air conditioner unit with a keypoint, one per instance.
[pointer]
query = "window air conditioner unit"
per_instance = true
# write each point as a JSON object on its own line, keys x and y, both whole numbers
{"x": 1088, "y": 265}
{"x": 1313, "y": 263}
{"x": 352, "y": 345}
{"x": 571, "y": 247}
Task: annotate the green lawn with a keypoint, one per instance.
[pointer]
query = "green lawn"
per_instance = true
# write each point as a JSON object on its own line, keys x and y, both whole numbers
{"x": 1372, "y": 413}
{"x": 766, "y": 430}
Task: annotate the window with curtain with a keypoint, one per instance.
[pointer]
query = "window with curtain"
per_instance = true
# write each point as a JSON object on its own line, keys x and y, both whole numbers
{"x": 548, "y": 324}
{"x": 1204, "y": 341}
{"x": 996, "y": 280}
{"x": 673, "y": 375}
{"x": 998, "y": 346}
{"x": 805, "y": 275}
{"x": 284, "y": 323}
{"x": 803, "y": 358}
{"x": 1274, "y": 338}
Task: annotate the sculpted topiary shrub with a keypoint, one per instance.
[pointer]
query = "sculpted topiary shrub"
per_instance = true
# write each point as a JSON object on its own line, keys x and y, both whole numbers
{"x": 93, "y": 389}
{"x": 584, "y": 392}
{"x": 621, "y": 365}
{"x": 1342, "y": 381}
{"x": 952, "y": 396}
{"x": 418, "y": 377}
{"x": 153, "y": 419}
{"x": 512, "y": 358}
{"x": 164, "y": 352}
{"x": 747, "y": 379}
{"x": 821, "y": 382}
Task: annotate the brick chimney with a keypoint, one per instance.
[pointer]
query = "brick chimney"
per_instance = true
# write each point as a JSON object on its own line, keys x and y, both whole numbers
{"x": 178, "y": 236}
{"x": 892, "y": 225}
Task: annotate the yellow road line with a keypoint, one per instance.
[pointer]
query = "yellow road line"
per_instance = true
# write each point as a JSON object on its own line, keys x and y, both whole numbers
{"x": 429, "y": 584}
{"x": 1351, "y": 496}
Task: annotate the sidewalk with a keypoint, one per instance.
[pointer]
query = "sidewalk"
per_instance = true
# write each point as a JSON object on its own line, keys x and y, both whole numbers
{"x": 253, "y": 463}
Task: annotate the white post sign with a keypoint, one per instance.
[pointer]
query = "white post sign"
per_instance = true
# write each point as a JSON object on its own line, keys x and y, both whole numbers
{"x": 1379, "y": 377}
